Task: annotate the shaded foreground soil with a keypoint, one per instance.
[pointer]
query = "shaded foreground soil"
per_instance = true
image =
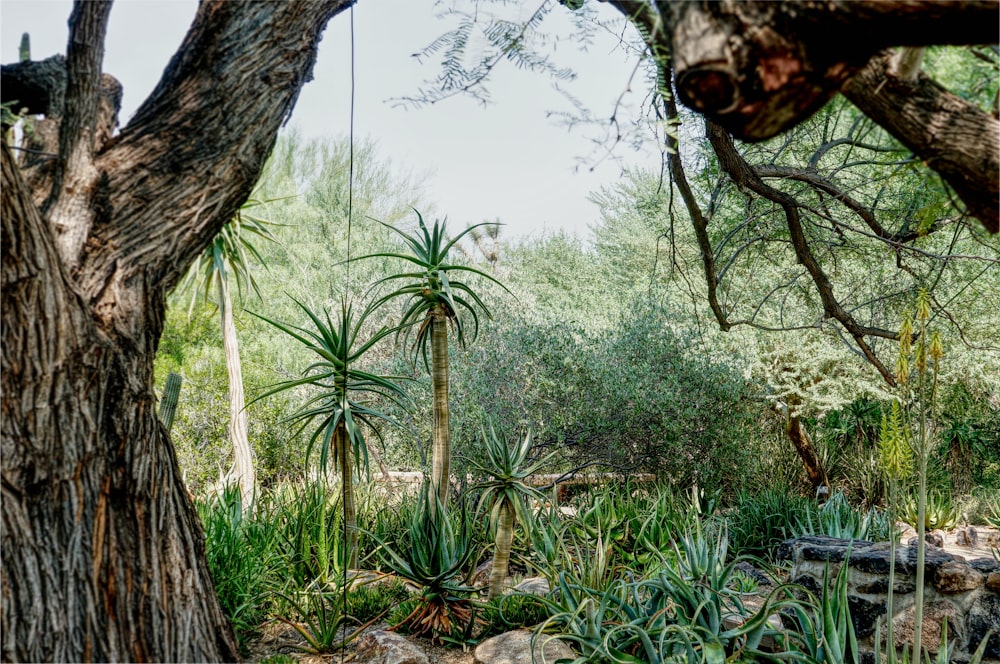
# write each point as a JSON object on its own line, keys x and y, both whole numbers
{"x": 279, "y": 638}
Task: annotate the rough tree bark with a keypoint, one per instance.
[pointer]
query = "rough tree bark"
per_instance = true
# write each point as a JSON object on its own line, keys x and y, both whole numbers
{"x": 103, "y": 554}
{"x": 758, "y": 67}
{"x": 441, "y": 448}
{"x": 952, "y": 136}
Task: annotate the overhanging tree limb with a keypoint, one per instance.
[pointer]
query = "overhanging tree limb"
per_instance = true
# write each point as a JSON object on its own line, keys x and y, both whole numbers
{"x": 952, "y": 136}
{"x": 758, "y": 68}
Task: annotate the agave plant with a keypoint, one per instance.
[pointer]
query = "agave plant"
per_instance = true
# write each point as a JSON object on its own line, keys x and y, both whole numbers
{"x": 506, "y": 494}
{"x": 340, "y": 408}
{"x": 434, "y": 559}
{"x": 823, "y": 630}
{"x": 433, "y": 299}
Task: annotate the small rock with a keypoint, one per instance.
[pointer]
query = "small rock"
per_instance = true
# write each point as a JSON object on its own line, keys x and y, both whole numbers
{"x": 933, "y": 538}
{"x": 515, "y": 648}
{"x": 993, "y": 582}
{"x": 956, "y": 577}
{"x": 481, "y": 577}
{"x": 534, "y": 585}
{"x": 967, "y": 537}
{"x": 381, "y": 647}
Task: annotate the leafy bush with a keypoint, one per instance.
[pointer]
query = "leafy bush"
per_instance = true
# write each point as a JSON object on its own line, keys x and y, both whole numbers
{"x": 370, "y": 600}
{"x": 638, "y": 397}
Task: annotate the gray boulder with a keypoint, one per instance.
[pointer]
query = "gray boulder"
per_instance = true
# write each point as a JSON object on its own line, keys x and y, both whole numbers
{"x": 382, "y": 647}
{"x": 515, "y": 648}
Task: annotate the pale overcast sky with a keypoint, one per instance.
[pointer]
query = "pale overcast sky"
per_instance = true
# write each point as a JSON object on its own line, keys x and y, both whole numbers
{"x": 507, "y": 161}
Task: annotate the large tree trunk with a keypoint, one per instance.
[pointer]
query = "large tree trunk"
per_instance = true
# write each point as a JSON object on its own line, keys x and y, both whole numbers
{"x": 103, "y": 554}
{"x": 243, "y": 468}
{"x": 441, "y": 449}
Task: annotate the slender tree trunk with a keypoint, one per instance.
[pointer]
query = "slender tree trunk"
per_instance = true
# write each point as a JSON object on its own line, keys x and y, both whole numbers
{"x": 343, "y": 450}
{"x": 501, "y": 556}
{"x": 243, "y": 466}
{"x": 441, "y": 453}
{"x": 800, "y": 440}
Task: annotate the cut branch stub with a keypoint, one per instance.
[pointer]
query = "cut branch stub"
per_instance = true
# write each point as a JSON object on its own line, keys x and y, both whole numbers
{"x": 739, "y": 68}
{"x": 759, "y": 68}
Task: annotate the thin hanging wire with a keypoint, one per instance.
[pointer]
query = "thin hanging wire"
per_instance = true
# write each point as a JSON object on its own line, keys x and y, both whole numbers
{"x": 347, "y": 289}
{"x": 350, "y": 162}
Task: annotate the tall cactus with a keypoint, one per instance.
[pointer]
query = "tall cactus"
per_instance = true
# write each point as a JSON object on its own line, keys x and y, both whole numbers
{"x": 168, "y": 402}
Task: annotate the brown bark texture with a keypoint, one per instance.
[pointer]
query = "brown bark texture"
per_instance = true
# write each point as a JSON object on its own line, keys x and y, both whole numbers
{"x": 103, "y": 553}
{"x": 760, "y": 67}
{"x": 802, "y": 443}
{"x": 955, "y": 138}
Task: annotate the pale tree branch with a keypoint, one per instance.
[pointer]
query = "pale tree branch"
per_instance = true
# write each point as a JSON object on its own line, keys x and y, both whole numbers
{"x": 68, "y": 206}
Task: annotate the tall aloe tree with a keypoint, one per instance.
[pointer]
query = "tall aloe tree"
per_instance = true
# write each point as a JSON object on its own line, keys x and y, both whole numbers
{"x": 341, "y": 406}
{"x": 225, "y": 260}
{"x": 433, "y": 301}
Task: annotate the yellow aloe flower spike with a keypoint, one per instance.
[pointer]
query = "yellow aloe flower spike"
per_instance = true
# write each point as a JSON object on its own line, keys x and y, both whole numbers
{"x": 937, "y": 348}
{"x": 906, "y": 334}
{"x": 923, "y": 304}
{"x": 902, "y": 369}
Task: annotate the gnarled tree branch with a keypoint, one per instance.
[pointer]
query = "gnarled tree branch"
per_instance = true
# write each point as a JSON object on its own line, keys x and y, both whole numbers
{"x": 74, "y": 179}
{"x": 747, "y": 177}
{"x": 949, "y": 134}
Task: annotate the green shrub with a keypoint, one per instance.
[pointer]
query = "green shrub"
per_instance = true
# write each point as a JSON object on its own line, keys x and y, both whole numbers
{"x": 244, "y": 559}
{"x": 759, "y": 522}
{"x": 513, "y": 611}
{"x": 369, "y": 600}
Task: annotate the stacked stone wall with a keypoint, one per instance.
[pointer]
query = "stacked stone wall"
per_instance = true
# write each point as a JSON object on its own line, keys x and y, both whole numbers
{"x": 965, "y": 593}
